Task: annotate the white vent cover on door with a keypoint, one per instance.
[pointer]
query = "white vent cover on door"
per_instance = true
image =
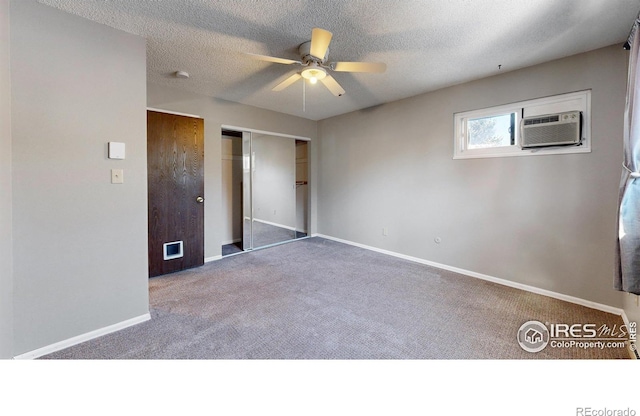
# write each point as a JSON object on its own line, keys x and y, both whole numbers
{"x": 173, "y": 250}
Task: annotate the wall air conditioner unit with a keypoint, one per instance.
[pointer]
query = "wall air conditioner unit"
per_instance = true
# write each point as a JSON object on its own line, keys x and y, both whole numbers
{"x": 552, "y": 130}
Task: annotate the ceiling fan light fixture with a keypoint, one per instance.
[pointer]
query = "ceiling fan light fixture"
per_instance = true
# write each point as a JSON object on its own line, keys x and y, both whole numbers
{"x": 315, "y": 65}
{"x": 314, "y": 73}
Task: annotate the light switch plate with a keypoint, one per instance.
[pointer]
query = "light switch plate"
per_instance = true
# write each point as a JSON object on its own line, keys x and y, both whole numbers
{"x": 117, "y": 176}
{"x": 116, "y": 150}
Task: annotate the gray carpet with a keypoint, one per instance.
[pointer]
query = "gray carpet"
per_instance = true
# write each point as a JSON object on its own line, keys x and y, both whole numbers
{"x": 267, "y": 234}
{"x": 319, "y": 299}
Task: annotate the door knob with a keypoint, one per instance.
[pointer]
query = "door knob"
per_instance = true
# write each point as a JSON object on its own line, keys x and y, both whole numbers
{"x": 199, "y": 200}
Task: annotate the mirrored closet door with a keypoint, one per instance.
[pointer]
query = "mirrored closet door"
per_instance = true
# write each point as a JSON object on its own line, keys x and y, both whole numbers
{"x": 273, "y": 189}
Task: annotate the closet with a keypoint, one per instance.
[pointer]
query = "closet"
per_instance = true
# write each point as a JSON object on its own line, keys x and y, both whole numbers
{"x": 264, "y": 189}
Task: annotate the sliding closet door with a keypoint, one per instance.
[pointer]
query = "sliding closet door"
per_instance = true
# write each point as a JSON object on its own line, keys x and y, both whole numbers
{"x": 247, "y": 213}
{"x": 273, "y": 189}
{"x": 274, "y": 169}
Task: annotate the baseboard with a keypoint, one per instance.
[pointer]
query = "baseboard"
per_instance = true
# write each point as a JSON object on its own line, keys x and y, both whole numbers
{"x": 82, "y": 338}
{"x": 275, "y": 224}
{"x": 214, "y": 258}
{"x": 532, "y": 289}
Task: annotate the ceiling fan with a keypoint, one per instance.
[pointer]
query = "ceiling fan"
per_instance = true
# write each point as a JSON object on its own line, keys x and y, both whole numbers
{"x": 316, "y": 67}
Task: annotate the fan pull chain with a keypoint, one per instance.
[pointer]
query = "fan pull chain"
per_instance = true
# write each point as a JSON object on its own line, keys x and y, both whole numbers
{"x": 304, "y": 96}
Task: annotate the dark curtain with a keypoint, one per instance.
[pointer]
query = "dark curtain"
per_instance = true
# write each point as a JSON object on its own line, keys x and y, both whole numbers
{"x": 627, "y": 276}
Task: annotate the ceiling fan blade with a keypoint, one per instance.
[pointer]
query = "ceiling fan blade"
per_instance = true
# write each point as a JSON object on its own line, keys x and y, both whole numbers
{"x": 332, "y": 85}
{"x": 359, "y": 66}
{"x": 284, "y": 84}
{"x": 273, "y": 59}
{"x": 320, "y": 40}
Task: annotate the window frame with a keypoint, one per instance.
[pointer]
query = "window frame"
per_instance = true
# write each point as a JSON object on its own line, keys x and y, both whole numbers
{"x": 574, "y": 101}
{"x": 486, "y": 113}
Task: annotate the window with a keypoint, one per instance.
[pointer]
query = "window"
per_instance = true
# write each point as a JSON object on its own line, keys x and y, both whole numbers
{"x": 491, "y": 131}
{"x": 495, "y": 131}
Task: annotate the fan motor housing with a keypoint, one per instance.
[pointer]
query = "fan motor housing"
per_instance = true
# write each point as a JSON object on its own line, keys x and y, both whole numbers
{"x": 305, "y": 53}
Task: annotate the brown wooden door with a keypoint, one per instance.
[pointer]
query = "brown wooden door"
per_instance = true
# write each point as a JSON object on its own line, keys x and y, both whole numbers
{"x": 175, "y": 159}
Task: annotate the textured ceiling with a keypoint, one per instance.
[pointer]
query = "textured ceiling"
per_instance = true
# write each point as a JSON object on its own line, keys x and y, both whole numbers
{"x": 426, "y": 44}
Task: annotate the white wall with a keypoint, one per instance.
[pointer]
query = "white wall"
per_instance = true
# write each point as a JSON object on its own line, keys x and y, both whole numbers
{"x": 80, "y": 243}
{"x": 544, "y": 221}
{"x": 6, "y": 257}
{"x": 216, "y": 113}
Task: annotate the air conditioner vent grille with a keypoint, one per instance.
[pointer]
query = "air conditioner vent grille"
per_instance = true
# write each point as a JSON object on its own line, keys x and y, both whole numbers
{"x": 541, "y": 120}
{"x": 552, "y": 129}
{"x": 552, "y": 134}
